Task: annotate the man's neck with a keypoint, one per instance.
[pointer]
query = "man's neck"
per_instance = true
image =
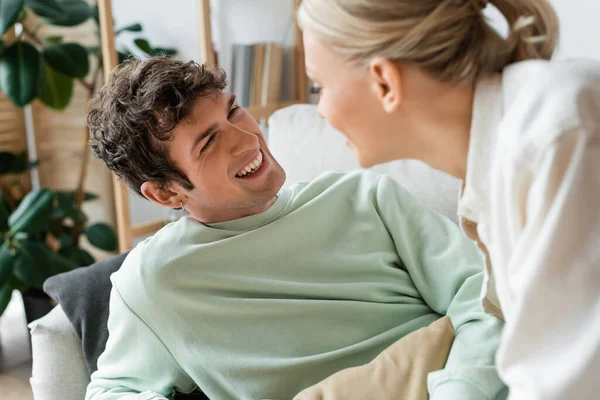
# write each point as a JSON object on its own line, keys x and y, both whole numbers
{"x": 218, "y": 216}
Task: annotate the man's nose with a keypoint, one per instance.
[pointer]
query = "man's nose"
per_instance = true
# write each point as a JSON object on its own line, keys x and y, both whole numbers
{"x": 242, "y": 141}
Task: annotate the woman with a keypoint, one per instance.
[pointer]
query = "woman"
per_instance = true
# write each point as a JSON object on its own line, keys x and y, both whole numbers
{"x": 432, "y": 80}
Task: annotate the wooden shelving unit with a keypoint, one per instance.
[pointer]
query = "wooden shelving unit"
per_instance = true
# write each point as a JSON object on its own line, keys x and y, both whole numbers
{"x": 207, "y": 53}
{"x": 126, "y": 231}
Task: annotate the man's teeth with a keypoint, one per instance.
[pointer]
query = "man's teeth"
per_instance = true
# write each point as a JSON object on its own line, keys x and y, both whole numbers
{"x": 252, "y": 167}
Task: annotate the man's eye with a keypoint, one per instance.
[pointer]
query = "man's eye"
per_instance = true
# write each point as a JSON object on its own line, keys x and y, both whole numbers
{"x": 233, "y": 111}
{"x": 208, "y": 143}
{"x": 315, "y": 89}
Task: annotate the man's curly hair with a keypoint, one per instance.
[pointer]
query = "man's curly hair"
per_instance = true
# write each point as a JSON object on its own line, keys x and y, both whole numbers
{"x": 134, "y": 114}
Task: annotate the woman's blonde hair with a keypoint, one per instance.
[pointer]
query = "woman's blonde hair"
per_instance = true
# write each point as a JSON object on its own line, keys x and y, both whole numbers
{"x": 450, "y": 39}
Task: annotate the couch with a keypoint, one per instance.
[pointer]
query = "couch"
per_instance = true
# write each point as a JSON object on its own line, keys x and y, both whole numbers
{"x": 305, "y": 146}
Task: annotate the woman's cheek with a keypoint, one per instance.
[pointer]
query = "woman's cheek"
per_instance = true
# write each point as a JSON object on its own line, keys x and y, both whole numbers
{"x": 334, "y": 111}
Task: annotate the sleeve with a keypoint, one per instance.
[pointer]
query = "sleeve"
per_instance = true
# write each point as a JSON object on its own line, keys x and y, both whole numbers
{"x": 551, "y": 271}
{"x": 135, "y": 365}
{"x": 447, "y": 270}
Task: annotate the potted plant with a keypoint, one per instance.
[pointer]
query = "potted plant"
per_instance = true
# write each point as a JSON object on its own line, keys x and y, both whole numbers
{"x": 40, "y": 230}
{"x": 40, "y": 236}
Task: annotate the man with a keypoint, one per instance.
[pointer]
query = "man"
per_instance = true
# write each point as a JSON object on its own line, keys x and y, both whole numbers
{"x": 261, "y": 292}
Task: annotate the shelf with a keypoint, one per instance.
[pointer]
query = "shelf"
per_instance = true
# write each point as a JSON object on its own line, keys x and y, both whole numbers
{"x": 260, "y": 112}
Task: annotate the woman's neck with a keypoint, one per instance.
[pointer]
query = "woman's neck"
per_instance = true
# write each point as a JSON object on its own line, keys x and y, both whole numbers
{"x": 440, "y": 115}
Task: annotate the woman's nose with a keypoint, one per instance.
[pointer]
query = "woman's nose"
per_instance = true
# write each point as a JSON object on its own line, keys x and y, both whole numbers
{"x": 319, "y": 110}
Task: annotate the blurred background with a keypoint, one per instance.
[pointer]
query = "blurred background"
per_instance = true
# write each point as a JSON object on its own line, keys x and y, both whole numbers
{"x": 57, "y": 203}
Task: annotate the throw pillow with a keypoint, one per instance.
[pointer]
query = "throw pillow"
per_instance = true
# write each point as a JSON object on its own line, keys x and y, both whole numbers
{"x": 399, "y": 372}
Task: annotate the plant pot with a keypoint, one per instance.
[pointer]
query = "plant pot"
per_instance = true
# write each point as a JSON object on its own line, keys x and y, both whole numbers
{"x": 37, "y": 304}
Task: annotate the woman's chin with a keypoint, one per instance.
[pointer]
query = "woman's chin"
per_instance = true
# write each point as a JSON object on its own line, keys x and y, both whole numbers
{"x": 368, "y": 160}
{"x": 362, "y": 159}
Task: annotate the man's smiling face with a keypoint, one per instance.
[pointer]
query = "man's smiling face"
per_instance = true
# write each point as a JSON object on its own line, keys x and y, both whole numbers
{"x": 223, "y": 153}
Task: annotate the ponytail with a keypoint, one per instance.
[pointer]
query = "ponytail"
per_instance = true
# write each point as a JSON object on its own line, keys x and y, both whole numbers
{"x": 534, "y": 28}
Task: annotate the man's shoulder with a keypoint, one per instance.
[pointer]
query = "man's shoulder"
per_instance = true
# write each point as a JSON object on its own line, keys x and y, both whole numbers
{"x": 142, "y": 268}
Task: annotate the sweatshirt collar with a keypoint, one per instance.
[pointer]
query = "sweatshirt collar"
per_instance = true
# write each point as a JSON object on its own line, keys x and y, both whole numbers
{"x": 487, "y": 115}
{"x": 257, "y": 220}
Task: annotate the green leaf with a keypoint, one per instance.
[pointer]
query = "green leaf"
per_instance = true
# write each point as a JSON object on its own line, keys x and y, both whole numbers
{"x": 102, "y": 236}
{"x": 66, "y": 202}
{"x": 85, "y": 258}
{"x": 78, "y": 256}
{"x": 22, "y": 15}
{"x": 75, "y": 13}
{"x": 57, "y": 227}
{"x": 20, "y": 236}
{"x": 7, "y": 263}
{"x": 68, "y": 58}
{"x": 54, "y": 39}
{"x": 95, "y": 13}
{"x": 90, "y": 196}
{"x": 66, "y": 246}
{"x": 17, "y": 284}
{"x": 163, "y": 51}
{"x": 66, "y": 243}
{"x": 20, "y": 68}
{"x": 35, "y": 263}
{"x": 124, "y": 56}
{"x": 5, "y": 296}
{"x": 56, "y": 90}
{"x": 11, "y": 163}
{"x": 93, "y": 49}
{"x": 67, "y": 197}
{"x": 21, "y": 163}
{"x": 130, "y": 28}
{"x": 46, "y": 8}
{"x": 143, "y": 45}
{"x": 57, "y": 214}
{"x": 33, "y": 213}
{"x": 7, "y": 160}
{"x": 3, "y": 215}
{"x": 32, "y": 264}
{"x": 60, "y": 264}
{"x": 9, "y": 13}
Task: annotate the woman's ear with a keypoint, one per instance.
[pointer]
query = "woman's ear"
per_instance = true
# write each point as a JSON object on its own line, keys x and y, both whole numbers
{"x": 387, "y": 83}
{"x": 163, "y": 197}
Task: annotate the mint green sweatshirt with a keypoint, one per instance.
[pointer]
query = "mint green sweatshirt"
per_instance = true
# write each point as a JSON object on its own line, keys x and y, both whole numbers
{"x": 262, "y": 307}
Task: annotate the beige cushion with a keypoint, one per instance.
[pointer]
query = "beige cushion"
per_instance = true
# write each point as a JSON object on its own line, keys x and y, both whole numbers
{"x": 400, "y": 372}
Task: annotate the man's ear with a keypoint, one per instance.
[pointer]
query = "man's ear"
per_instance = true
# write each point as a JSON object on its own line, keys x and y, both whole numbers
{"x": 163, "y": 197}
{"x": 387, "y": 82}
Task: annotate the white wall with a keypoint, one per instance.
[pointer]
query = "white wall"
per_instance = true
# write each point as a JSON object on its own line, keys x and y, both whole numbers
{"x": 580, "y": 30}
{"x": 174, "y": 23}
{"x": 171, "y": 23}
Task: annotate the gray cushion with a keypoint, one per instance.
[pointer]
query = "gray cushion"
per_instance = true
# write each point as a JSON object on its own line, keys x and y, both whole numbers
{"x": 84, "y": 295}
